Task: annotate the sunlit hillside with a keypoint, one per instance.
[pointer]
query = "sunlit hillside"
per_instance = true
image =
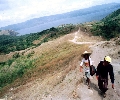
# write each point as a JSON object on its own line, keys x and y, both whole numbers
{"x": 108, "y": 27}
{"x": 46, "y": 58}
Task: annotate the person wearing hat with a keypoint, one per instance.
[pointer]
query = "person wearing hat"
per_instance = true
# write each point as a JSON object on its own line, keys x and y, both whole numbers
{"x": 86, "y": 63}
{"x": 103, "y": 68}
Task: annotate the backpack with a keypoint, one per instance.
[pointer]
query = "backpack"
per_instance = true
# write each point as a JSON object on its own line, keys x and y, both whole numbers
{"x": 92, "y": 70}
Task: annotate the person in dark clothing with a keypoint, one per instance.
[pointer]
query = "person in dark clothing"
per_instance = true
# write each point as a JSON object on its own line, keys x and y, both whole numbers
{"x": 103, "y": 68}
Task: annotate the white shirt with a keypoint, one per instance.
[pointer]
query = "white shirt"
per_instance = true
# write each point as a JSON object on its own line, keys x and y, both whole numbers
{"x": 87, "y": 69}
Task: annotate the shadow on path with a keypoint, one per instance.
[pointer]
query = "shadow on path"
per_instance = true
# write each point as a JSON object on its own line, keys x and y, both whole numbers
{"x": 95, "y": 87}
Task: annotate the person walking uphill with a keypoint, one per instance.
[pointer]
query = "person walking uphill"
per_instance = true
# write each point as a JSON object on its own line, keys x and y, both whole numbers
{"x": 86, "y": 63}
{"x": 103, "y": 68}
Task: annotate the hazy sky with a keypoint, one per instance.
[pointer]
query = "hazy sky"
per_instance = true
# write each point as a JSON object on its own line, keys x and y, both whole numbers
{"x": 15, "y": 11}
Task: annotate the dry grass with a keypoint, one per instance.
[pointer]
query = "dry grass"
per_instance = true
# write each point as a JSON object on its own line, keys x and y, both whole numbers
{"x": 87, "y": 38}
{"x": 55, "y": 59}
{"x": 50, "y": 59}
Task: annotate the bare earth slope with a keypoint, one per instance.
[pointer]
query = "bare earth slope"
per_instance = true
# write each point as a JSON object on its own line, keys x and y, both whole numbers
{"x": 72, "y": 86}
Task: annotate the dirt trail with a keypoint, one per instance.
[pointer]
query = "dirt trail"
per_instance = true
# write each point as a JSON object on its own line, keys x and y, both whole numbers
{"x": 81, "y": 37}
{"x": 73, "y": 87}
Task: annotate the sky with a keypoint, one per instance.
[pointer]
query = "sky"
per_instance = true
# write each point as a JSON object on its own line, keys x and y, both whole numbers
{"x": 16, "y": 11}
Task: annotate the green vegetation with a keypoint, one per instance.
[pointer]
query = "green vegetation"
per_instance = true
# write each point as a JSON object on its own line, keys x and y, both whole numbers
{"x": 14, "y": 68}
{"x": 17, "y": 43}
{"x": 109, "y": 27}
{"x": 24, "y": 67}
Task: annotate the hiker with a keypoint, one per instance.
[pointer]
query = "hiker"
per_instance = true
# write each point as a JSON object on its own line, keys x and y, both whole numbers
{"x": 103, "y": 68}
{"x": 85, "y": 63}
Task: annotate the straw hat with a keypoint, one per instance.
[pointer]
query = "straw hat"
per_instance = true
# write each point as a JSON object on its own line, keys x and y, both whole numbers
{"x": 88, "y": 53}
{"x": 107, "y": 58}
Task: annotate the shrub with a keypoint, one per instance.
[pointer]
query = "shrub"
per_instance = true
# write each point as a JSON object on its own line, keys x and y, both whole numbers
{"x": 16, "y": 55}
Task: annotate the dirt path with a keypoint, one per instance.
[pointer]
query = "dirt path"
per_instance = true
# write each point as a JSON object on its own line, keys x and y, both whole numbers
{"x": 100, "y": 50}
{"x": 73, "y": 87}
{"x": 80, "y": 37}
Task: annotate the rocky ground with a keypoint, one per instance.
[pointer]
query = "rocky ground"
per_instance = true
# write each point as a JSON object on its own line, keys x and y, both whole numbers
{"x": 73, "y": 86}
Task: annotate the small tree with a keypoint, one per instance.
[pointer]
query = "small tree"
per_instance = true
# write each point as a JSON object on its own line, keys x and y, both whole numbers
{"x": 16, "y": 55}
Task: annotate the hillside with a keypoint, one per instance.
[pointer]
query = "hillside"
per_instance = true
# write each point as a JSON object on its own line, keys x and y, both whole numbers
{"x": 17, "y": 43}
{"x": 56, "y": 73}
{"x": 95, "y": 13}
{"x": 108, "y": 27}
{"x": 45, "y": 65}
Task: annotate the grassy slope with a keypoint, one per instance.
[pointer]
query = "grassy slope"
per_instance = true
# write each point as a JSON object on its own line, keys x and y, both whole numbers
{"x": 17, "y": 43}
{"x": 109, "y": 27}
{"x": 49, "y": 58}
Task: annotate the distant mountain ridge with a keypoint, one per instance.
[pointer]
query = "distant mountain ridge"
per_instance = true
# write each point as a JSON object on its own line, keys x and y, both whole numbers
{"x": 8, "y": 32}
{"x": 94, "y": 13}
